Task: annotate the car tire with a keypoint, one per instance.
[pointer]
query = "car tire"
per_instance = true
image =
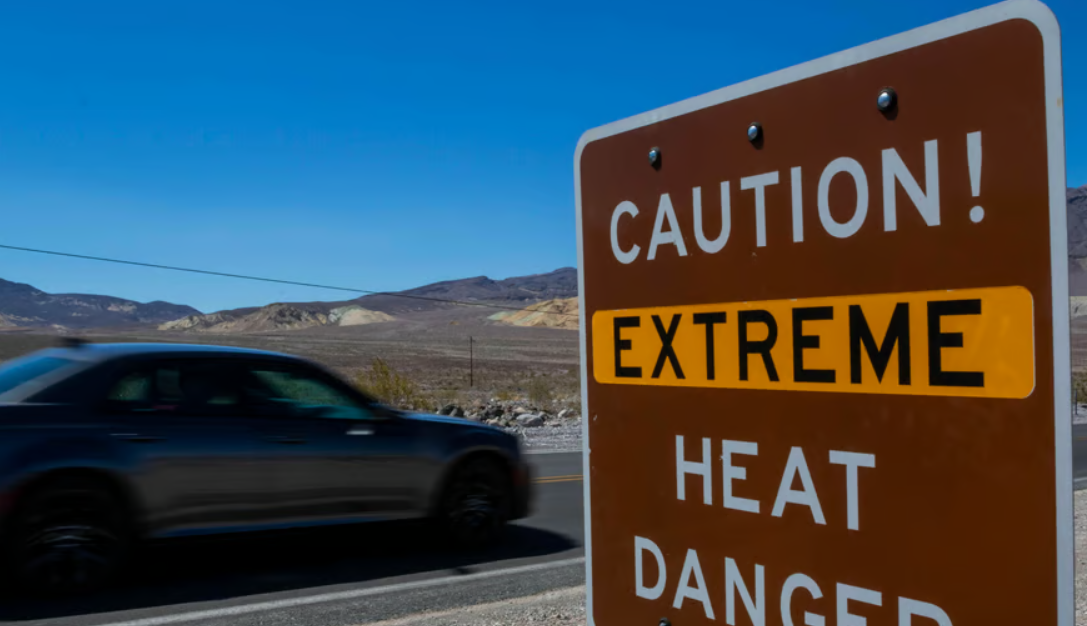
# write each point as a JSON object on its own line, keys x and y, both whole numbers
{"x": 476, "y": 504}
{"x": 66, "y": 537}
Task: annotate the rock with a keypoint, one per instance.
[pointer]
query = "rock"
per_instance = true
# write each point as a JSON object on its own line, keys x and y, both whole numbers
{"x": 529, "y": 420}
{"x": 520, "y": 410}
{"x": 457, "y": 412}
{"x": 446, "y": 410}
{"x": 475, "y": 417}
{"x": 567, "y": 414}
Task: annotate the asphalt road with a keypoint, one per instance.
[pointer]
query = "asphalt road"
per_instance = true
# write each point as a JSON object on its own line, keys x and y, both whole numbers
{"x": 341, "y": 577}
{"x": 1079, "y": 455}
{"x": 337, "y": 577}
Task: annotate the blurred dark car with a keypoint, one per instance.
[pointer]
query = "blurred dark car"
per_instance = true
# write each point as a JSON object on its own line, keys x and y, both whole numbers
{"x": 105, "y": 445}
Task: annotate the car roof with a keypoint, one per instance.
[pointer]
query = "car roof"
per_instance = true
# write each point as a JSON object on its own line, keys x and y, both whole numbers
{"x": 110, "y": 351}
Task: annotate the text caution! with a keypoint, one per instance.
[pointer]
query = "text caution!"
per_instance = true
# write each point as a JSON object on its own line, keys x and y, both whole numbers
{"x": 973, "y": 342}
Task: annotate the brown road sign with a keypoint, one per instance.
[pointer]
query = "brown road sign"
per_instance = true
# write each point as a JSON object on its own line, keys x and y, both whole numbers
{"x": 825, "y": 341}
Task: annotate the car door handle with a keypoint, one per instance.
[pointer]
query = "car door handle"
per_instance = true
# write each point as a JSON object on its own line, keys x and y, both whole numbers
{"x": 361, "y": 431}
{"x": 138, "y": 438}
{"x": 287, "y": 439}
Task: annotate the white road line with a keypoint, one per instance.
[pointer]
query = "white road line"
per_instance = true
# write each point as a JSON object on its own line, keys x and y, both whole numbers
{"x": 244, "y": 609}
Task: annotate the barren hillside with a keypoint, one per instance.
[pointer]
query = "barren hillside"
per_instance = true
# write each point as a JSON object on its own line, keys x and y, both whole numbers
{"x": 560, "y": 313}
{"x": 275, "y": 317}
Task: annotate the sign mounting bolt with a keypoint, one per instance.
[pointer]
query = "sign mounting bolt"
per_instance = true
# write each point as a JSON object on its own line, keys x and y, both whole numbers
{"x": 664, "y": 622}
{"x": 754, "y": 132}
{"x": 887, "y": 99}
{"x": 655, "y": 157}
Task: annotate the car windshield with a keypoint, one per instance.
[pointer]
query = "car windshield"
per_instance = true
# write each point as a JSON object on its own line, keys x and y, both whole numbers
{"x": 17, "y": 373}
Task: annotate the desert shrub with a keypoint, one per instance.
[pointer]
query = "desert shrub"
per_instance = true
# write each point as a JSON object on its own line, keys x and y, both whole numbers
{"x": 390, "y": 386}
{"x": 1079, "y": 386}
{"x": 505, "y": 395}
{"x": 541, "y": 391}
{"x": 574, "y": 403}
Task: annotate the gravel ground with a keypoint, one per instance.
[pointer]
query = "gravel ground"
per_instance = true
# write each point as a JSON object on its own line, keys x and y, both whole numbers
{"x": 554, "y": 608}
{"x": 558, "y": 436}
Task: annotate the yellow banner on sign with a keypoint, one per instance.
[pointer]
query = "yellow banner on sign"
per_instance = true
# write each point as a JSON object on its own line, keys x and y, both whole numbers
{"x": 971, "y": 342}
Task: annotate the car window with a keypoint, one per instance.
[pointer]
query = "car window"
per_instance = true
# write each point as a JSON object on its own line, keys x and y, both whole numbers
{"x": 196, "y": 387}
{"x": 133, "y": 387}
{"x": 303, "y": 394}
{"x": 22, "y": 371}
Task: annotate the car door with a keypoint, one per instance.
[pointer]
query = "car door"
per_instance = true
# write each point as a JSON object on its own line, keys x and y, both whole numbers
{"x": 335, "y": 458}
{"x": 189, "y": 447}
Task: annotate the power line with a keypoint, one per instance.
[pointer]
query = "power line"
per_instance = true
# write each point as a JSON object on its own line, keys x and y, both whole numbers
{"x": 279, "y": 281}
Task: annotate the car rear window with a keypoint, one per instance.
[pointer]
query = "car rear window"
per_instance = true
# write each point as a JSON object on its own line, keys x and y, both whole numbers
{"x": 17, "y": 373}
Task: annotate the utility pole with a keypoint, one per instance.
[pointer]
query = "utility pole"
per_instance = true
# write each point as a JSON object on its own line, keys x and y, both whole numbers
{"x": 471, "y": 362}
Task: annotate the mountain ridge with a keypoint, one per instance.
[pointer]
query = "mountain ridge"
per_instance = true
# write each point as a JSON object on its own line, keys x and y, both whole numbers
{"x": 1077, "y": 240}
{"x": 275, "y": 317}
{"x": 562, "y": 313}
{"x": 23, "y": 305}
{"x": 516, "y": 291}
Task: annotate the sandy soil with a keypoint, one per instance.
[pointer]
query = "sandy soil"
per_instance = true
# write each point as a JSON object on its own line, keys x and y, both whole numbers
{"x": 431, "y": 347}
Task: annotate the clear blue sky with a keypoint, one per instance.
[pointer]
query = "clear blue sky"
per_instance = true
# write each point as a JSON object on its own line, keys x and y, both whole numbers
{"x": 378, "y": 145}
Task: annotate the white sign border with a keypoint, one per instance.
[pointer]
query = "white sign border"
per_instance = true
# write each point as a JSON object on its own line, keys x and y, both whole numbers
{"x": 1043, "y": 19}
